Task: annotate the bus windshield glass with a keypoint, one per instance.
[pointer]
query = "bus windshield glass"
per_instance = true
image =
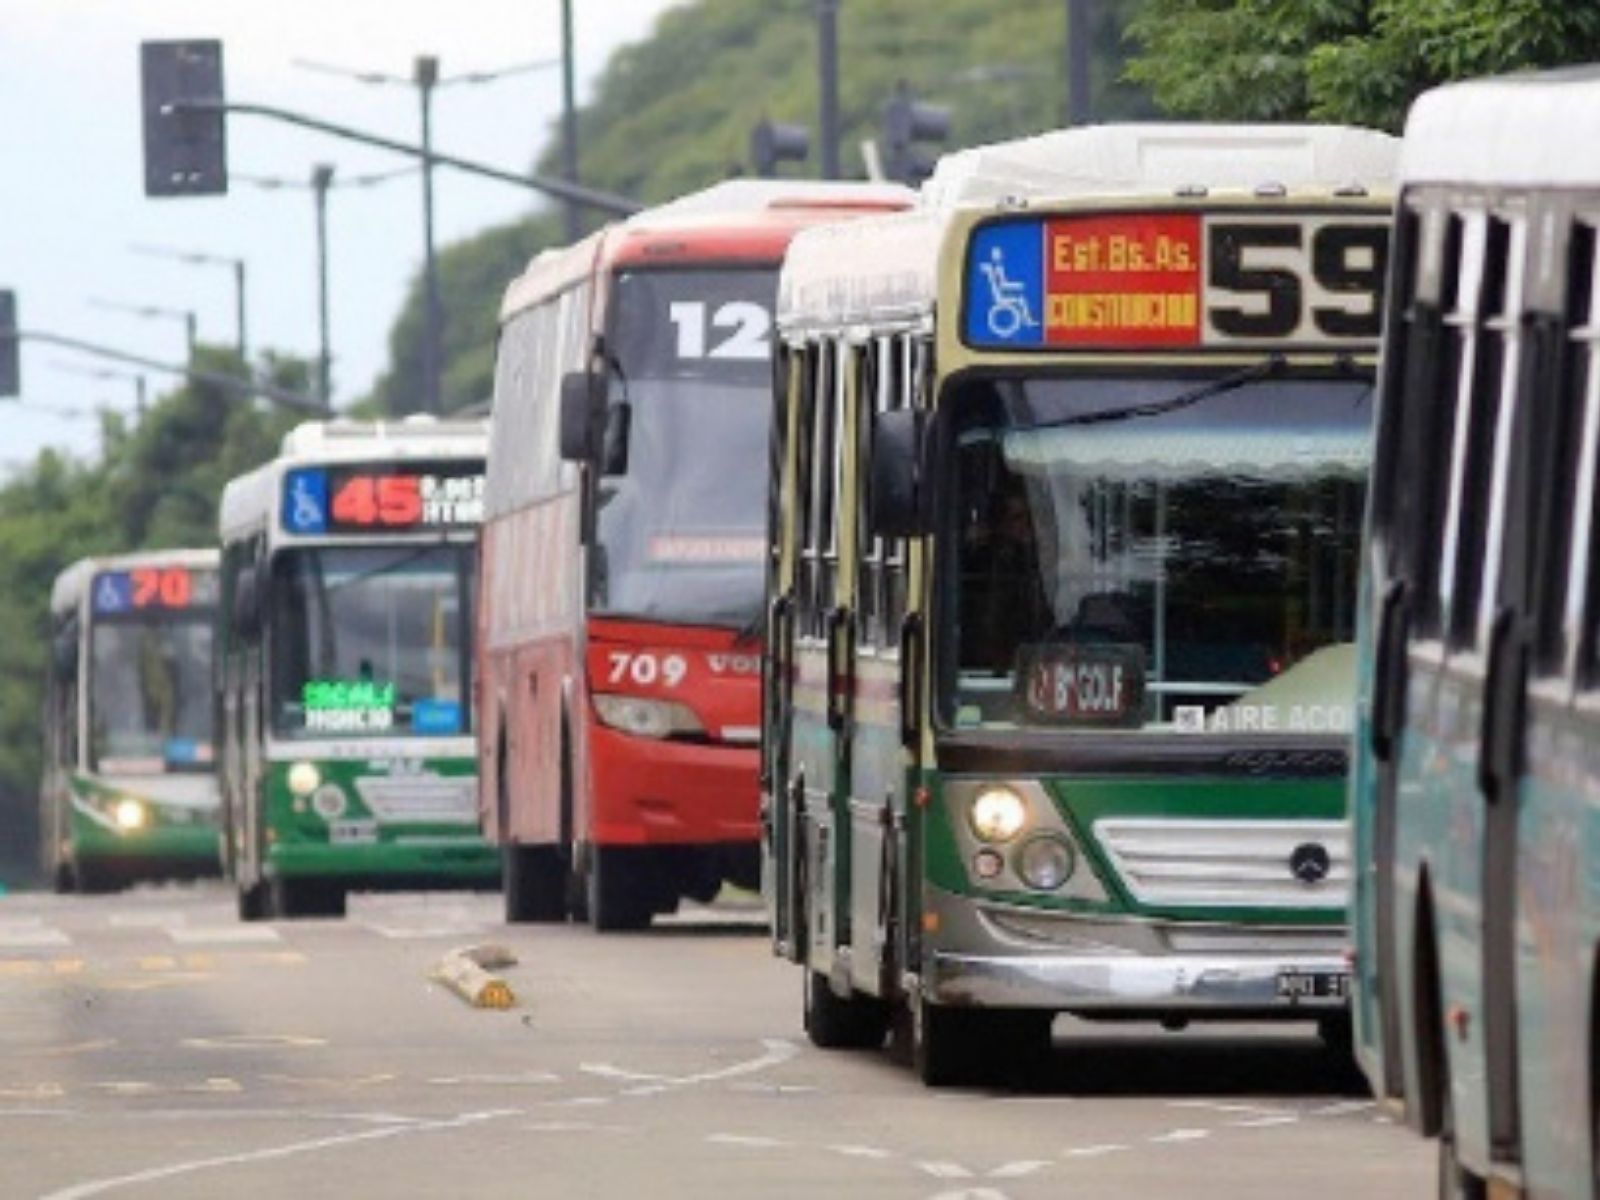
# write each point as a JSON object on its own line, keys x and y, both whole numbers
{"x": 371, "y": 641}
{"x": 150, "y": 692}
{"x": 683, "y": 490}
{"x": 1170, "y": 555}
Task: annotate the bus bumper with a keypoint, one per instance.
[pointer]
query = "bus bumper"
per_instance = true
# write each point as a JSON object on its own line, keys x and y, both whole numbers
{"x": 662, "y": 793}
{"x": 435, "y": 862}
{"x": 161, "y": 849}
{"x": 1001, "y": 956}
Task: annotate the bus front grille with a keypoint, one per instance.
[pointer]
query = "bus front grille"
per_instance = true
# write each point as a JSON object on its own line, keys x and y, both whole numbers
{"x": 419, "y": 798}
{"x": 1229, "y": 863}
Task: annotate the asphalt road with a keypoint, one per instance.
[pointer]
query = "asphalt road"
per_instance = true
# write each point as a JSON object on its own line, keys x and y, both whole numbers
{"x": 151, "y": 1046}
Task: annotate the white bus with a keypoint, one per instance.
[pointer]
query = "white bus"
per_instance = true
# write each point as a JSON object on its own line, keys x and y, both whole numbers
{"x": 347, "y": 755}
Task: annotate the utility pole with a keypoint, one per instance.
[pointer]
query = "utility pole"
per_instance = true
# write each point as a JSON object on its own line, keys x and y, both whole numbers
{"x": 321, "y": 181}
{"x": 1079, "y": 101}
{"x": 569, "y": 120}
{"x": 197, "y": 258}
{"x": 828, "y": 84}
{"x": 426, "y": 76}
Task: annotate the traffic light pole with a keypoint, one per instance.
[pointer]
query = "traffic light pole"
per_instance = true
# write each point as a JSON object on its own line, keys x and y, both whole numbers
{"x": 587, "y": 197}
{"x": 828, "y": 84}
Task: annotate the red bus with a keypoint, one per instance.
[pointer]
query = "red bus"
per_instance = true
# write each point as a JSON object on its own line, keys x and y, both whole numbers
{"x": 622, "y": 554}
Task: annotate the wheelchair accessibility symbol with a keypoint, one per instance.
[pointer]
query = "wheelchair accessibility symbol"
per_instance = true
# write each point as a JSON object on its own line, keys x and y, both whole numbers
{"x": 305, "y": 502}
{"x": 1009, "y": 313}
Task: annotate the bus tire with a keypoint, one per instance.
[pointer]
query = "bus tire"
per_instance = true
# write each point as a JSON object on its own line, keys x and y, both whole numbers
{"x": 860, "y": 1022}
{"x": 618, "y": 899}
{"x": 253, "y": 904}
{"x": 292, "y": 898}
{"x": 942, "y": 1044}
{"x": 1338, "y": 1036}
{"x": 95, "y": 879}
{"x": 535, "y": 884}
{"x": 61, "y": 879}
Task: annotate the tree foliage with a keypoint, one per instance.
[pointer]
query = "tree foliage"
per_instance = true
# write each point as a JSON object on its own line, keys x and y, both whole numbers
{"x": 154, "y": 485}
{"x": 1357, "y": 61}
{"x": 673, "y": 112}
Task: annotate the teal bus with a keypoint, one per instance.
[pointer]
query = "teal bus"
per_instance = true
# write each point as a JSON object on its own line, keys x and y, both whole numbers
{"x": 128, "y": 784}
{"x": 1476, "y": 784}
{"x": 345, "y": 666}
{"x": 1070, "y": 465}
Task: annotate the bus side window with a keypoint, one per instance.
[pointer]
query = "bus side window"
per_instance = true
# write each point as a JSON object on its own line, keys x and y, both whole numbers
{"x": 873, "y": 378}
{"x": 821, "y": 534}
{"x": 1559, "y": 579}
{"x": 812, "y": 372}
{"x": 907, "y": 354}
{"x": 1478, "y": 400}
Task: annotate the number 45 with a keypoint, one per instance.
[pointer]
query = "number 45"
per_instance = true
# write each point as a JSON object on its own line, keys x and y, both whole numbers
{"x": 749, "y": 322}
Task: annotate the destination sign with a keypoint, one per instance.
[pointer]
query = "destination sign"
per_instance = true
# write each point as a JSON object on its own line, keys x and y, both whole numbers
{"x": 402, "y": 498}
{"x": 153, "y": 589}
{"x": 1176, "y": 280}
{"x": 1093, "y": 684}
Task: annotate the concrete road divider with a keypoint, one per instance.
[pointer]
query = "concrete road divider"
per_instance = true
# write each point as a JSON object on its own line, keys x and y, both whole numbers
{"x": 468, "y": 971}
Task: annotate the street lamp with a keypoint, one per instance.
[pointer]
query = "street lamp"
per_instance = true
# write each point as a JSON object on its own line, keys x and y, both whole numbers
{"x": 186, "y": 315}
{"x": 320, "y": 184}
{"x": 200, "y": 259}
{"x": 426, "y": 79}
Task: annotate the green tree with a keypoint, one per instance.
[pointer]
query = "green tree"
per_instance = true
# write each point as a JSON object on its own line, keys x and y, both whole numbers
{"x": 674, "y": 111}
{"x": 1356, "y": 61}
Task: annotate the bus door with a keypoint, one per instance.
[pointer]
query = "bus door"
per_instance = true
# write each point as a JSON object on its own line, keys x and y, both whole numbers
{"x": 873, "y": 753}
{"x": 779, "y": 828}
{"x": 1520, "y": 528}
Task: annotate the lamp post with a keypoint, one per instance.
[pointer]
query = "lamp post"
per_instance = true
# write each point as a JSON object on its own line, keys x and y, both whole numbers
{"x": 828, "y": 84}
{"x": 186, "y": 315}
{"x": 426, "y": 79}
{"x": 199, "y": 258}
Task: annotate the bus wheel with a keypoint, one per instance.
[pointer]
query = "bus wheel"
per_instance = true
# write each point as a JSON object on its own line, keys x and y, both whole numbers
{"x": 253, "y": 904}
{"x": 1338, "y": 1036}
{"x": 61, "y": 879}
{"x": 943, "y": 1050}
{"x": 535, "y": 884}
{"x": 832, "y": 1023}
{"x": 94, "y": 879}
{"x": 618, "y": 898}
{"x": 307, "y": 898}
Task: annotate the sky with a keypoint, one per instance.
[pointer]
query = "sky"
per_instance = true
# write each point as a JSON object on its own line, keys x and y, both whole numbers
{"x": 72, "y": 205}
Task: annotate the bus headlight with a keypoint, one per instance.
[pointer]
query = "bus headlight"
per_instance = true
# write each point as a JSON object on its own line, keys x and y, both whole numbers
{"x": 646, "y": 718}
{"x": 304, "y": 778}
{"x": 997, "y": 814}
{"x": 1045, "y": 862}
{"x": 129, "y": 815}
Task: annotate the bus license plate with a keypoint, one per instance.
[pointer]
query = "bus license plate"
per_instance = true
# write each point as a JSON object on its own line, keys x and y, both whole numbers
{"x": 1313, "y": 985}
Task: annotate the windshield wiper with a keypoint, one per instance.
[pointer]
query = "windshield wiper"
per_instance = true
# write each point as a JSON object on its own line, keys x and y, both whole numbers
{"x": 1205, "y": 391}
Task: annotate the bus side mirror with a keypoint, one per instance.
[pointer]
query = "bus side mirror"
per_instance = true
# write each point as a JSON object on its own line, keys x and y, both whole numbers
{"x": 894, "y": 497}
{"x": 246, "y": 611}
{"x": 577, "y": 417}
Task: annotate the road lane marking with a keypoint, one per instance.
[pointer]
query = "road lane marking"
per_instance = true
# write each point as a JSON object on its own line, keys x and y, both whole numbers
{"x": 95, "y": 1187}
{"x": 1179, "y": 1135}
{"x": 877, "y": 1152}
{"x": 945, "y": 1170}
{"x": 776, "y": 1052}
{"x": 1343, "y": 1108}
{"x": 1217, "y": 1106}
{"x": 980, "y": 1193}
{"x": 200, "y": 935}
{"x": 1265, "y": 1122}
{"x": 74, "y": 1048}
{"x": 1016, "y": 1170}
{"x": 333, "y": 1082}
{"x": 524, "y": 1077}
{"x": 1097, "y": 1151}
{"x": 160, "y": 918}
{"x": 29, "y": 937}
{"x": 254, "y": 1041}
{"x": 753, "y": 1141}
{"x": 149, "y": 983}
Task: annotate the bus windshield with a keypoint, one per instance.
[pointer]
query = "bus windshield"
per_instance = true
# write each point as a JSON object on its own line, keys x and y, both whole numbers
{"x": 150, "y": 706}
{"x": 1138, "y": 555}
{"x": 683, "y": 493}
{"x": 371, "y": 641}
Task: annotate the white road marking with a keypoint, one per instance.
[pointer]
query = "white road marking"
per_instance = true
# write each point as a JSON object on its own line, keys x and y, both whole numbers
{"x": 1016, "y": 1170}
{"x": 982, "y": 1193}
{"x": 1344, "y": 1107}
{"x": 755, "y": 1141}
{"x": 776, "y": 1051}
{"x": 1179, "y": 1135}
{"x": 254, "y": 1041}
{"x": 95, "y": 1187}
{"x": 1265, "y": 1122}
{"x": 32, "y": 936}
{"x": 582, "y": 1102}
{"x": 160, "y": 918}
{"x": 1097, "y": 1151}
{"x": 862, "y": 1151}
{"x": 333, "y": 1082}
{"x": 217, "y": 935}
{"x": 1217, "y": 1106}
{"x": 411, "y": 933}
{"x": 524, "y": 1077}
{"x": 945, "y": 1170}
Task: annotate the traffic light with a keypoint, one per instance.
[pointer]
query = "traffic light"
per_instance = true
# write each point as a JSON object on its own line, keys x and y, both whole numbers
{"x": 772, "y": 143}
{"x": 185, "y": 152}
{"x": 905, "y": 123}
{"x": 10, "y": 358}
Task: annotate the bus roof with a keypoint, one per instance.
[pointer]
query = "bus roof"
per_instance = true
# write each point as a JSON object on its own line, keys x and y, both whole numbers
{"x": 73, "y": 583}
{"x": 1535, "y": 129}
{"x": 739, "y": 220}
{"x": 249, "y": 499}
{"x": 887, "y": 265}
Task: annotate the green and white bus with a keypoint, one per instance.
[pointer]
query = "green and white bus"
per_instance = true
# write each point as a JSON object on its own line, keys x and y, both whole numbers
{"x": 347, "y": 755}
{"x": 128, "y": 788}
{"x": 1062, "y": 570}
{"x": 1476, "y": 782}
